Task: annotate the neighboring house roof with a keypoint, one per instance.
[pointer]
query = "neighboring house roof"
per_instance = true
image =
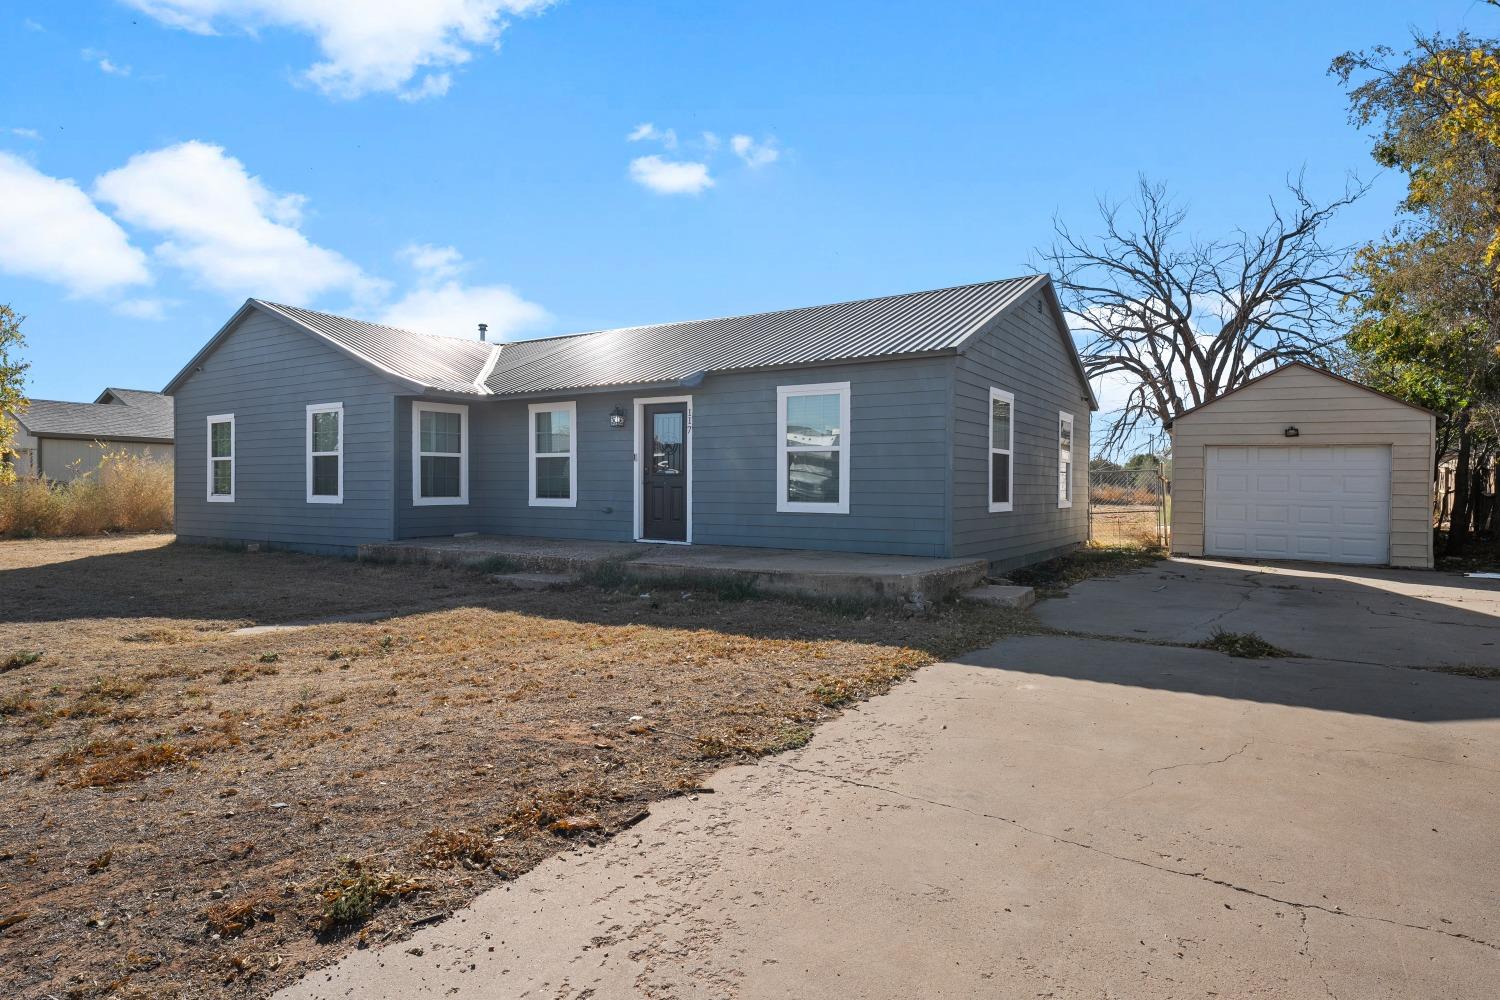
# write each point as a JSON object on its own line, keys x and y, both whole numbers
{"x": 1297, "y": 364}
{"x": 119, "y": 415}
{"x": 942, "y": 321}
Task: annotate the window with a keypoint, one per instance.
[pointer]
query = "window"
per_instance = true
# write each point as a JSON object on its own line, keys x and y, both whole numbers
{"x": 1065, "y": 459}
{"x": 1002, "y": 446}
{"x": 325, "y": 453}
{"x": 221, "y": 458}
{"x": 554, "y": 450}
{"x": 812, "y": 448}
{"x": 439, "y": 454}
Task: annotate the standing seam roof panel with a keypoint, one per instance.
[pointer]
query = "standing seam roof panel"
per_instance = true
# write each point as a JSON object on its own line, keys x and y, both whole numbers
{"x": 913, "y": 323}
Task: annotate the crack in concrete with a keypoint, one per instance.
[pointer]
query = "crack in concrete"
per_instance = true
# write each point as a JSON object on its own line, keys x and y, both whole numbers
{"x": 1425, "y": 620}
{"x": 1201, "y": 763}
{"x": 1307, "y": 954}
{"x": 1198, "y": 876}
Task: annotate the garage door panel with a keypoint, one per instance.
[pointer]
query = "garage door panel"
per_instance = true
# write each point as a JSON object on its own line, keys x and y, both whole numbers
{"x": 1314, "y": 514}
{"x": 1266, "y": 514}
{"x": 1299, "y": 502}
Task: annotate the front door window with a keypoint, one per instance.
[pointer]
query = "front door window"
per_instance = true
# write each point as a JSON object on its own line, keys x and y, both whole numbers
{"x": 664, "y": 473}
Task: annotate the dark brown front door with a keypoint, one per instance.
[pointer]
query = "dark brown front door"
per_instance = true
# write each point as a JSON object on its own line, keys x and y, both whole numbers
{"x": 665, "y": 472}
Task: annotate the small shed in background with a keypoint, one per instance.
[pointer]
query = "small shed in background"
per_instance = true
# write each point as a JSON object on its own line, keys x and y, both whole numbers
{"x": 1303, "y": 464}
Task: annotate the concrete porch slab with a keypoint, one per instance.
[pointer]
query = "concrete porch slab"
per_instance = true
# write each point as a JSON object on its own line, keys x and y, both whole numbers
{"x": 546, "y": 555}
{"x": 790, "y": 571}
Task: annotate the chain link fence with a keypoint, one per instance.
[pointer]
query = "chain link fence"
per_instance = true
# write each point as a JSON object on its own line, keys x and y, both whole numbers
{"x": 1129, "y": 506}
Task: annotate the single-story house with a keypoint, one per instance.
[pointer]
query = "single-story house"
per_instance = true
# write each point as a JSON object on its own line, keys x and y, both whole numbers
{"x": 1300, "y": 463}
{"x": 943, "y": 423}
{"x": 62, "y": 441}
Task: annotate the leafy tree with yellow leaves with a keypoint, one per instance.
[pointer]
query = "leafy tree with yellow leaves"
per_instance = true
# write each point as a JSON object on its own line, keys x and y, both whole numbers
{"x": 12, "y": 386}
{"x": 1428, "y": 323}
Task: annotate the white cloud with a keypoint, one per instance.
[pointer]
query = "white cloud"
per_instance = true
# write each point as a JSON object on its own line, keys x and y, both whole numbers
{"x": 755, "y": 154}
{"x": 441, "y": 304}
{"x": 225, "y": 227}
{"x": 432, "y": 85}
{"x": 367, "y": 47}
{"x": 50, "y": 230}
{"x": 433, "y": 263}
{"x": 32, "y": 25}
{"x": 670, "y": 176}
{"x": 647, "y": 132}
{"x": 692, "y": 176}
{"x": 143, "y": 308}
{"x": 25, "y": 133}
{"x": 104, "y": 63}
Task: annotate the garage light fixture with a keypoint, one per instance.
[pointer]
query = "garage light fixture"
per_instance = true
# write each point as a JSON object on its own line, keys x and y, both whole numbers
{"x": 1291, "y": 432}
{"x": 617, "y": 417}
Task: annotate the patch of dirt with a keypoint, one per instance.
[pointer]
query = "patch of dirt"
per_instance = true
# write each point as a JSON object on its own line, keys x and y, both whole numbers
{"x": 194, "y": 813}
{"x": 1246, "y": 645}
{"x": 1053, "y": 577}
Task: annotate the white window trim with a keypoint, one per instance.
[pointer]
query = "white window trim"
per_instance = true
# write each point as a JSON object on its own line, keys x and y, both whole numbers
{"x": 571, "y": 409}
{"x": 638, "y": 432}
{"x": 314, "y": 408}
{"x": 1009, "y": 449}
{"x": 418, "y": 407}
{"x": 783, "y": 393}
{"x": 1064, "y": 489}
{"x": 222, "y": 418}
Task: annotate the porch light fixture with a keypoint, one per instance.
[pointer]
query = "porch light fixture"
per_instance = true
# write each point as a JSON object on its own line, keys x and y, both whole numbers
{"x": 617, "y": 417}
{"x": 1291, "y": 432}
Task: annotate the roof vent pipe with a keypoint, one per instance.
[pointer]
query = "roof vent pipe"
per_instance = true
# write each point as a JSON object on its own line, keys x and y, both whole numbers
{"x": 484, "y": 328}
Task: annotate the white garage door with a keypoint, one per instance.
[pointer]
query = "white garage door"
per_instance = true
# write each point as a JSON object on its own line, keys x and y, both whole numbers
{"x": 1330, "y": 504}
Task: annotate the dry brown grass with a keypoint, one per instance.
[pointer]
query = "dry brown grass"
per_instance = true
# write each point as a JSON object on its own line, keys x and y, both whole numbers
{"x": 126, "y": 493}
{"x": 267, "y": 802}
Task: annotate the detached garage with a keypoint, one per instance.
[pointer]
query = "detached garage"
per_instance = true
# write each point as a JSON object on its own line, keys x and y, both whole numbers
{"x": 1304, "y": 464}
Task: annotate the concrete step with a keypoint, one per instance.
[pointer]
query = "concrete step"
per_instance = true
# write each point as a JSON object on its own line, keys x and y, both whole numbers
{"x": 1002, "y": 595}
{"x": 533, "y": 581}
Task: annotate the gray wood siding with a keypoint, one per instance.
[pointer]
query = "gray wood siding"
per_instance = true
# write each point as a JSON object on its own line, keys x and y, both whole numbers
{"x": 266, "y": 373}
{"x": 498, "y": 485}
{"x": 413, "y": 521}
{"x": 1023, "y": 355}
{"x": 606, "y": 482}
{"x": 898, "y": 454}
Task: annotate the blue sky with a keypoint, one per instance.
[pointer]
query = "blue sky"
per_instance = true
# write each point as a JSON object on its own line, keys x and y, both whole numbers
{"x": 457, "y": 161}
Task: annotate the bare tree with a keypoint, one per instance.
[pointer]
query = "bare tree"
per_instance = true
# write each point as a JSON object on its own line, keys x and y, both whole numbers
{"x": 1184, "y": 320}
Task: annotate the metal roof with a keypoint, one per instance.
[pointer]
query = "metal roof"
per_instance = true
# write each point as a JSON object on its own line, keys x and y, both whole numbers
{"x": 136, "y": 415}
{"x": 916, "y": 323}
{"x": 449, "y": 364}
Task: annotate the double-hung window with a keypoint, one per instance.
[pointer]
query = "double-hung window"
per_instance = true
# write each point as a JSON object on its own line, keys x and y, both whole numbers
{"x": 553, "y": 473}
{"x": 221, "y": 458}
{"x": 325, "y": 453}
{"x": 812, "y": 448}
{"x": 1064, "y": 459}
{"x": 440, "y": 454}
{"x": 1002, "y": 448}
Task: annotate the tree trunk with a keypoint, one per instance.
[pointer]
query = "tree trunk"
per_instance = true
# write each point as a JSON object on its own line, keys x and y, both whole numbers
{"x": 1458, "y": 523}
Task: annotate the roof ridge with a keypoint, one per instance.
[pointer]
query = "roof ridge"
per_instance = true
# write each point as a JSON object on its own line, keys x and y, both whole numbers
{"x": 776, "y": 312}
{"x": 366, "y": 322}
{"x": 681, "y": 322}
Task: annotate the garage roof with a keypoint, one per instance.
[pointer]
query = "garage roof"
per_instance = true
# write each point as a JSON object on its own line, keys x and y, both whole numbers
{"x": 1297, "y": 364}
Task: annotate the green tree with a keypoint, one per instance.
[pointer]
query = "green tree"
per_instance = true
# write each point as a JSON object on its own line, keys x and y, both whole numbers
{"x": 1428, "y": 321}
{"x": 12, "y": 386}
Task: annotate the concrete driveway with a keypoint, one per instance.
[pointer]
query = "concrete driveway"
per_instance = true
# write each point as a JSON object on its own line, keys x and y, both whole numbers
{"x": 1062, "y": 817}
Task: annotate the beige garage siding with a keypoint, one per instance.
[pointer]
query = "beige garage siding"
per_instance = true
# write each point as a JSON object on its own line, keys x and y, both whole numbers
{"x": 1326, "y": 411}
{"x": 65, "y": 459}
